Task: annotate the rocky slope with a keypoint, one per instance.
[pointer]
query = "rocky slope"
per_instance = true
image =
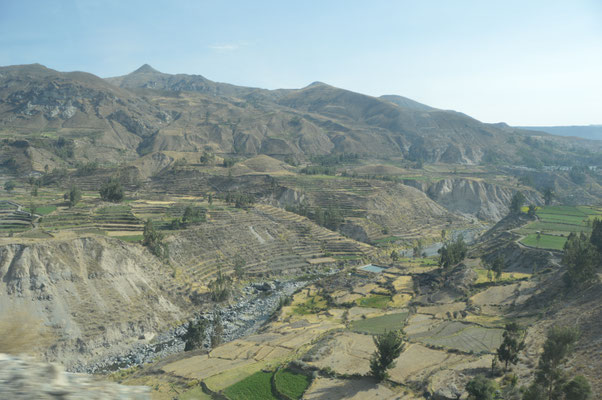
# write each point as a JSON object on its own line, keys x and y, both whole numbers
{"x": 97, "y": 295}
{"x": 472, "y": 197}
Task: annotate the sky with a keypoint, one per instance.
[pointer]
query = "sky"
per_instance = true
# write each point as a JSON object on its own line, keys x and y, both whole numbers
{"x": 522, "y": 62}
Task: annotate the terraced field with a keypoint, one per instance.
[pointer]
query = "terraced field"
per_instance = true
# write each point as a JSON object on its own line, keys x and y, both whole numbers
{"x": 13, "y": 218}
{"x": 461, "y": 336}
{"x": 378, "y": 325}
{"x": 555, "y": 223}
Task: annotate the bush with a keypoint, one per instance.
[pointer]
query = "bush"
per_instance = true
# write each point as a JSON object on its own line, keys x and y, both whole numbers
{"x": 9, "y": 186}
{"x": 481, "y": 388}
{"x": 75, "y": 195}
{"x": 112, "y": 191}
{"x": 153, "y": 239}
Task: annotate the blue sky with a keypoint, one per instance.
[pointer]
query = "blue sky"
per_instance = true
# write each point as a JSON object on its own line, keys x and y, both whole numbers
{"x": 522, "y": 62}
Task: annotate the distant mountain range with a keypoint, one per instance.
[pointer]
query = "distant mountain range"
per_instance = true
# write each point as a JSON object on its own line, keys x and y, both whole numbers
{"x": 122, "y": 118}
{"x": 593, "y": 132}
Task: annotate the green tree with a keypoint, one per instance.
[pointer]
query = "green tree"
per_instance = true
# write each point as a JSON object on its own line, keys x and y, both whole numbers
{"x": 388, "y": 347}
{"x": 481, "y": 388}
{"x": 550, "y": 376}
{"x": 596, "y": 236}
{"x": 394, "y": 256}
{"x": 512, "y": 345}
{"x": 112, "y": 191}
{"x": 548, "y": 195}
{"x": 517, "y": 201}
{"x": 193, "y": 215}
{"x": 195, "y": 334}
{"x": 452, "y": 253}
{"x": 75, "y": 195}
{"x": 220, "y": 287}
{"x": 581, "y": 259}
{"x": 218, "y": 330}
{"x": 9, "y": 186}
{"x": 497, "y": 266}
{"x": 153, "y": 239}
{"x": 239, "y": 265}
{"x": 532, "y": 209}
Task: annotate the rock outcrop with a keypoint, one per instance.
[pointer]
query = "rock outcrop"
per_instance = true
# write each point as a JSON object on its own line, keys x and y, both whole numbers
{"x": 94, "y": 294}
{"x": 473, "y": 197}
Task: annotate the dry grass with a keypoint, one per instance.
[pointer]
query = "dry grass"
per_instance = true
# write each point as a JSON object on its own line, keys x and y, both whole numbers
{"x": 21, "y": 332}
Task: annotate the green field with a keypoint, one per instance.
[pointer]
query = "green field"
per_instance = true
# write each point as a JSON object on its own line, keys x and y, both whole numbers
{"x": 374, "y": 301}
{"x": 45, "y": 210}
{"x": 555, "y": 223}
{"x": 291, "y": 384}
{"x": 378, "y": 325}
{"x": 312, "y": 305}
{"x": 545, "y": 242}
{"x": 255, "y": 387}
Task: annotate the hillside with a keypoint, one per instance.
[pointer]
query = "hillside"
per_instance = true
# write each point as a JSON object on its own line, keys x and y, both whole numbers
{"x": 121, "y": 118}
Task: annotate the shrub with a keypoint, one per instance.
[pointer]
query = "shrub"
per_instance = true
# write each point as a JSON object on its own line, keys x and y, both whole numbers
{"x": 112, "y": 191}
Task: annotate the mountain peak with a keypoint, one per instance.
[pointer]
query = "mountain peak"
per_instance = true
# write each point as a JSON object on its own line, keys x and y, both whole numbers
{"x": 145, "y": 69}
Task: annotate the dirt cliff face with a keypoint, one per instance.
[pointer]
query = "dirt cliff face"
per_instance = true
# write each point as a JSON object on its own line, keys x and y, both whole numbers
{"x": 95, "y": 294}
{"x": 484, "y": 200}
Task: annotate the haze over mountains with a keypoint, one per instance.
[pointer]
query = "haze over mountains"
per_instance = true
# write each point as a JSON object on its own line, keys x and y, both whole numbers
{"x": 147, "y": 111}
{"x": 593, "y": 132}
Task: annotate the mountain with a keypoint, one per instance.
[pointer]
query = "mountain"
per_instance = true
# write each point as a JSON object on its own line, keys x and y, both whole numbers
{"x": 593, "y": 132}
{"x": 122, "y": 118}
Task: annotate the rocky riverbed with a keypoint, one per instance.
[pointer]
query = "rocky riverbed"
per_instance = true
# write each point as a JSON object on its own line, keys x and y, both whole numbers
{"x": 258, "y": 302}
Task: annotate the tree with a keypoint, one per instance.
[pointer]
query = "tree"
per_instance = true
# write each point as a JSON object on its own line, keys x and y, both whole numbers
{"x": 417, "y": 251}
{"x": 220, "y": 287}
{"x": 548, "y": 195}
{"x": 9, "y": 186}
{"x": 513, "y": 343}
{"x": 388, "y": 347}
{"x": 75, "y": 195}
{"x": 517, "y": 202}
{"x": 498, "y": 267}
{"x": 218, "y": 330}
{"x": 193, "y": 215}
{"x": 596, "y": 236}
{"x": 581, "y": 258}
{"x": 394, "y": 256}
{"x": 195, "y": 334}
{"x": 481, "y": 388}
{"x": 239, "y": 265}
{"x": 112, "y": 191}
{"x": 210, "y": 199}
{"x": 532, "y": 209}
{"x": 452, "y": 253}
{"x": 550, "y": 377}
{"x": 153, "y": 239}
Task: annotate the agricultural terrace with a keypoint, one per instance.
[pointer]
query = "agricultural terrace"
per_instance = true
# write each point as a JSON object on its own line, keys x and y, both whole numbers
{"x": 555, "y": 223}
